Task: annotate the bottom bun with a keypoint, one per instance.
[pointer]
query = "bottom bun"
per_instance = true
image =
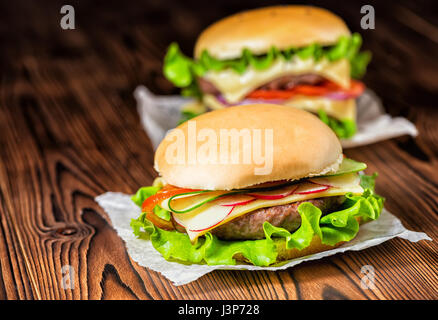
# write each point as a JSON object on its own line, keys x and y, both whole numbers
{"x": 315, "y": 246}
{"x": 284, "y": 254}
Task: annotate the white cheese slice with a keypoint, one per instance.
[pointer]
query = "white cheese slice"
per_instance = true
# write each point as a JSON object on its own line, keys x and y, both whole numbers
{"x": 234, "y": 86}
{"x": 213, "y": 214}
{"x": 338, "y": 109}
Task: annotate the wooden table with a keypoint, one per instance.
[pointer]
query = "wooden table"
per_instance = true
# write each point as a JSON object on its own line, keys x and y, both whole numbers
{"x": 69, "y": 131}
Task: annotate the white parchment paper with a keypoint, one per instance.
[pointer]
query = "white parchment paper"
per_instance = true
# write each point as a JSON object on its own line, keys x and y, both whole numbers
{"x": 121, "y": 210}
{"x": 159, "y": 114}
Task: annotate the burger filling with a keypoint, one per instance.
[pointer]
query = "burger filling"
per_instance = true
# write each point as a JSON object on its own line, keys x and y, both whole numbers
{"x": 236, "y": 87}
{"x": 319, "y": 74}
{"x": 250, "y": 225}
{"x": 200, "y": 211}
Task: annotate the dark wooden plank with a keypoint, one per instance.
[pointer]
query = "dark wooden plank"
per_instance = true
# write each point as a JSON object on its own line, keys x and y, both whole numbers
{"x": 69, "y": 131}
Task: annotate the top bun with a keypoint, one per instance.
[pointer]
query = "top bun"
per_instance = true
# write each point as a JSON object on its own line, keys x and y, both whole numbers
{"x": 260, "y": 29}
{"x": 301, "y": 146}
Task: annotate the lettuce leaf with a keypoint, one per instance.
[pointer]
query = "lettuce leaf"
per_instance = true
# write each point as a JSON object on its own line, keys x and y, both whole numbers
{"x": 368, "y": 182}
{"x": 339, "y": 226}
{"x": 162, "y": 213}
{"x": 344, "y": 129}
{"x": 177, "y": 67}
{"x": 187, "y": 115}
{"x": 359, "y": 64}
{"x": 182, "y": 71}
{"x": 143, "y": 193}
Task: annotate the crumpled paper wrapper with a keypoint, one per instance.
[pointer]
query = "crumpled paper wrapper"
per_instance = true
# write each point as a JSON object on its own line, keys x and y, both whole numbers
{"x": 159, "y": 114}
{"x": 121, "y": 210}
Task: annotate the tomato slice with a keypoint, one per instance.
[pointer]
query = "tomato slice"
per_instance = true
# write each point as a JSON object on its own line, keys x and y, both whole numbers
{"x": 319, "y": 90}
{"x": 150, "y": 203}
{"x": 327, "y": 88}
{"x": 356, "y": 88}
{"x": 270, "y": 94}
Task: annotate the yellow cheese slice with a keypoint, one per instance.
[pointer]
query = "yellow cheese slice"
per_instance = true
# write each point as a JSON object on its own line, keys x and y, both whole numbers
{"x": 338, "y": 109}
{"x": 234, "y": 86}
{"x": 218, "y": 212}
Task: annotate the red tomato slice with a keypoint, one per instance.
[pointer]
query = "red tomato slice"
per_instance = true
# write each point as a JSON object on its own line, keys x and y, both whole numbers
{"x": 150, "y": 203}
{"x": 356, "y": 88}
{"x": 323, "y": 89}
{"x": 318, "y": 90}
{"x": 270, "y": 94}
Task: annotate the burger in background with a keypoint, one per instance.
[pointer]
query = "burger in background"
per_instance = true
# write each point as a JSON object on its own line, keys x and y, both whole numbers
{"x": 299, "y": 56}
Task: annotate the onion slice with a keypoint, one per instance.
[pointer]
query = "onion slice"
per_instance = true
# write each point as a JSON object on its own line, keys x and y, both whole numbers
{"x": 309, "y": 187}
{"x": 275, "y": 194}
{"x": 236, "y": 200}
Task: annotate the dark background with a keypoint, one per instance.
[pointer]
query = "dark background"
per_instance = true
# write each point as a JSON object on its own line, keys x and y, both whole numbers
{"x": 69, "y": 131}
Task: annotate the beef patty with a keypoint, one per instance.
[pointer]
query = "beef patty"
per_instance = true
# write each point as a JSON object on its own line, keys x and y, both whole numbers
{"x": 282, "y": 83}
{"x": 250, "y": 225}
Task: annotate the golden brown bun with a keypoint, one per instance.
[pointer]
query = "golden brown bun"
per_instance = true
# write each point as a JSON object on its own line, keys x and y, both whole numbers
{"x": 284, "y": 254}
{"x": 303, "y": 146}
{"x": 260, "y": 29}
{"x": 288, "y": 254}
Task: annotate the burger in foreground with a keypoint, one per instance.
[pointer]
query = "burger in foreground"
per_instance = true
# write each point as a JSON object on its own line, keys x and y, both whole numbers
{"x": 216, "y": 208}
{"x": 297, "y": 56}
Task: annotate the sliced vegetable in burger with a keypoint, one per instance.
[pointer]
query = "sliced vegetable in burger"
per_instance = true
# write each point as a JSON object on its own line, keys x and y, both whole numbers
{"x": 299, "y": 56}
{"x": 222, "y": 213}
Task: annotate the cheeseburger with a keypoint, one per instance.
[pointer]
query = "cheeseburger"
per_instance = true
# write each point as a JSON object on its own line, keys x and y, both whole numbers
{"x": 299, "y": 56}
{"x": 255, "y": 184}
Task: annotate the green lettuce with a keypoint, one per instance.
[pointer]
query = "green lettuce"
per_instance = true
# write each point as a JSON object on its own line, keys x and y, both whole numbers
{"x": 359, "y": 64}
{"x": 344, "y": 129}
{"x": 368, "y": 182}
{"x": 335, "y": 227}
{"x": 183, "y": 71}
{"x": 143, "y": 193}
{"x": 187, "y": 115}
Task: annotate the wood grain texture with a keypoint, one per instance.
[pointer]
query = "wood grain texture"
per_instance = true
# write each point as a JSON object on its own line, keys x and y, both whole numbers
{"x": 69, "y": 131}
